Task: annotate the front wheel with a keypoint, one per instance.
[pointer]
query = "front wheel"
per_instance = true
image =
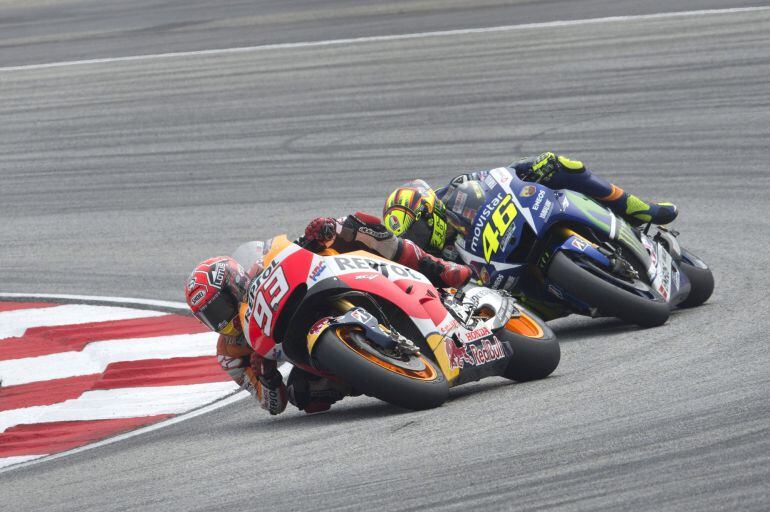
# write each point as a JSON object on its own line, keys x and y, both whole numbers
{"x": 608, "y": 298}
{"x": 412, "y": 383}
{"x": 536, "y": 352}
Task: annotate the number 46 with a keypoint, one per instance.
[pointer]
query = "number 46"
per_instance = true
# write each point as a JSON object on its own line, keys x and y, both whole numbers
{"x": 497, "y": 226}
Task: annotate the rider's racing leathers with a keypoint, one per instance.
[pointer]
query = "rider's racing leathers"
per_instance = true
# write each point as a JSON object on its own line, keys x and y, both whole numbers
{"x": 558, "y": 172}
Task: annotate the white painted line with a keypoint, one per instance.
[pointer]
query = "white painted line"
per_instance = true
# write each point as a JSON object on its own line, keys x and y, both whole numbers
{"x": 395, "y": 37}
{"x": 104, "y": 404}
{"x": 235, "y": 397}
{"x": 92, "y": 298}
{"x": 10, "y": 461}
{"x": 97, "y": 355}
{"x": 15, "y": 323}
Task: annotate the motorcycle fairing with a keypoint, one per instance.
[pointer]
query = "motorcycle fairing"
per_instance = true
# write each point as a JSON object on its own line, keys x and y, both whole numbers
{"x": 290, "y": 267}
{"x": 578, "y": 245}
{"x": 664, "y": 272}
{"x": 568, "y": 207}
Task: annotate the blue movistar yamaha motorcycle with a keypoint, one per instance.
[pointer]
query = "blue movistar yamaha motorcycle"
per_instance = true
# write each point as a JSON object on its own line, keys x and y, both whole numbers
{"x": 562, "y": 252}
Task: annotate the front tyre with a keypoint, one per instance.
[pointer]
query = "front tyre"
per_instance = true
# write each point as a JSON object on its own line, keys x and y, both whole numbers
{"x": 536, "y": 352}
{"x": 416, "y": 383}
{"x": 609, "y": 299}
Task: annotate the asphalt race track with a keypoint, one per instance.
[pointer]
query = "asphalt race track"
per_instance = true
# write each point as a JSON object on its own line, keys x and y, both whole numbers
{"x": 117, "y": 177}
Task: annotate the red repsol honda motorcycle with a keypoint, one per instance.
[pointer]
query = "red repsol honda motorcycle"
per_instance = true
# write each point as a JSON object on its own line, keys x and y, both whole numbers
{"x": 383, "y": 328}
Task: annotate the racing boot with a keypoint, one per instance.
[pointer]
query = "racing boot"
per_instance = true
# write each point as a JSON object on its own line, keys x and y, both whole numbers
{"x": 637, "y": 212}
{"x": 311, "y": 393}
{"x": 561, "y": 172}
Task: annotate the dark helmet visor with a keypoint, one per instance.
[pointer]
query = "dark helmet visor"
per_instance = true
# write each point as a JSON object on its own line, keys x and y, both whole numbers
{"x": 419, "y": 232}
{"x": 217, "y": 312}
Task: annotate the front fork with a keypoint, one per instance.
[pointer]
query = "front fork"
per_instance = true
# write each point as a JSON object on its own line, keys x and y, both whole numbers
{"x": 383, "y": 337}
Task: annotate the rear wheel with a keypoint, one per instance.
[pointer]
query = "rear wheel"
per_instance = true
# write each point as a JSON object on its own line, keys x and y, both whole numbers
{"x": 610, "y": 299}
{"x": 412, "y": 382}
{"x": 701, "y": 280}
{"x": 536, "y": 352}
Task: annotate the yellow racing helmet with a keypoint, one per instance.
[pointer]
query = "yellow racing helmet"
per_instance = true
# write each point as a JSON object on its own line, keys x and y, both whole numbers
{"x": 414, "y": 212}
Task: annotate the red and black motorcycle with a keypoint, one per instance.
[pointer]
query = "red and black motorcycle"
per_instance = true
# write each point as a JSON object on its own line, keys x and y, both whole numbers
{"x": 384, "y": 329}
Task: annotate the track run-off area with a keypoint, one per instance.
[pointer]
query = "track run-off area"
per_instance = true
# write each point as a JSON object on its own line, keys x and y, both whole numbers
{"x": 119, "y": 175}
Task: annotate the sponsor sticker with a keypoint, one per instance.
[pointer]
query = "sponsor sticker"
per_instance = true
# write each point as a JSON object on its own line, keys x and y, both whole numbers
{"x": 217, "y": 274}
{"x": 666, "y": 283}
{"x": 447, "y": 327}
{"x": 508, "y": 236}
{"x": 473, "y": 354}
{"x": 470, "y": 214}
{"x": 197, "y": 297}
{"x": 663, "y": 278}
{"x": 475, "y": 334}
{"x": 501, "y": 174}
{"x": 393, "y": 222}
{"x": 546, "y": 209}
{"x": 488, "y": 351}
{"x": 538, "y": 200}
{"x": 527, "y": 191}
{"x": 459, "y": 202}
{"x": 393, "y": 271}
{"x": 458, "y": 356}
{"x": 319, "y": 326}
{"x": 317, "y": 271}
{"x": 579, "y": 244}
{"x": 361, "y": 315}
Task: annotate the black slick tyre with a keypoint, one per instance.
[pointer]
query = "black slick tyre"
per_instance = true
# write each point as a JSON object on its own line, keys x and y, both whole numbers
{"x": 609, "y": 299}
{"x": 534, "y": 357}
{"x": 701, "y": 285}
{"x": 377, "y": 377}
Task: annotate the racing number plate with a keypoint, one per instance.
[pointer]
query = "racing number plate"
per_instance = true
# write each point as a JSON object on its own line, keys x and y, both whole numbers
{"x": 497, "y": 226}
{"x": 265, "y": 294}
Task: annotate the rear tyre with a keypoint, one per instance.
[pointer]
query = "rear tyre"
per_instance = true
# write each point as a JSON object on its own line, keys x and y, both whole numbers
{"x": 536, "y": 352}
{"x": 701, "y": 284}
{"x": 414, "y": 384}
{"x": 608, "y": 298}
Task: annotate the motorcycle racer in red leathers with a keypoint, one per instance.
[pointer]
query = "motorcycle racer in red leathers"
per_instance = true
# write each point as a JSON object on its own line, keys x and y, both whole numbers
{"x": 218, "y": 286}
